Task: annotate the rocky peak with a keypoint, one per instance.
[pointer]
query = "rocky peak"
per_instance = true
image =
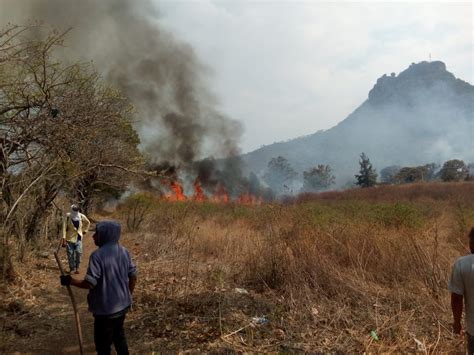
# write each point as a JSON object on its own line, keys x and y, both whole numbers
{"x": 423, "y": 75}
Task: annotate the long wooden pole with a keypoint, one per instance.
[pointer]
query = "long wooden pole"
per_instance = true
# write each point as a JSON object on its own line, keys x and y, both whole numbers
{"x": 73, "y": 301}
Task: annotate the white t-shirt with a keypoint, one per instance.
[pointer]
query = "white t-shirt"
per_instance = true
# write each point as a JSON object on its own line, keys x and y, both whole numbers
{"x": 462, "y": 283}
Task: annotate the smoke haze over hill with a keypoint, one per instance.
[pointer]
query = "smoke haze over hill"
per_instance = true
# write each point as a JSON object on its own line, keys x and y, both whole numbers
{"x": 422, "y": 115}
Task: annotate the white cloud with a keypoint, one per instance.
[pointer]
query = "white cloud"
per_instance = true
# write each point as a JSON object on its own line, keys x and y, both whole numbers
{"x": 288, "y": 68}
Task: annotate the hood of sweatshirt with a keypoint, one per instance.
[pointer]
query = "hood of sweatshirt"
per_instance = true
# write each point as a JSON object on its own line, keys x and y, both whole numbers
{"x": 107, "y": 232}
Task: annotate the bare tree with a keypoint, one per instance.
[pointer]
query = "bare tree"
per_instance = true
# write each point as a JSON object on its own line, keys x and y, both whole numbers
{"x": 279, "y": 175}
{"x": 62, "y": 131}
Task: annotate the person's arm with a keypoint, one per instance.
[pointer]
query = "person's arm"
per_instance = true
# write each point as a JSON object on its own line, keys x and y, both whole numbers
{"x": 132, "y": 273}
{"x": 81, "y": 283}
{"x": 88, "y": 224}
{"x": 132, "y": 281}
{"x": 456, "y": 307}
{"x": 67, "y": 280}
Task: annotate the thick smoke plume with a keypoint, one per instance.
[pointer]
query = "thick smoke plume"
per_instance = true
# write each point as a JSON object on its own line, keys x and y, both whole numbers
{"x": 176, "y": 118}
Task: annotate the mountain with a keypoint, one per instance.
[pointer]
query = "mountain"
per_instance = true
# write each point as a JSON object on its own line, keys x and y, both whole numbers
{"x": 422, "y": 115}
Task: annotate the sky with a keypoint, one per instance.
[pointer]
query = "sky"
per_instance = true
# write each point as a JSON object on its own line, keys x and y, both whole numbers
{"x": 290, "y": 68}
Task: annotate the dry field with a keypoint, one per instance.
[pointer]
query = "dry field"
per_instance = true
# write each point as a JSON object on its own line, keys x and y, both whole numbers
{"x": 361, "y": 270}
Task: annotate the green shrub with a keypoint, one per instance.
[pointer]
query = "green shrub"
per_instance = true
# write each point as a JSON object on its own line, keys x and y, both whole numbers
{"x": 398, "y": 215}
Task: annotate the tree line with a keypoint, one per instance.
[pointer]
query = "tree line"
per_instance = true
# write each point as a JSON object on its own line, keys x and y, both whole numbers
{"x": 280, "y": 176}
{"x": 451, "y": 170}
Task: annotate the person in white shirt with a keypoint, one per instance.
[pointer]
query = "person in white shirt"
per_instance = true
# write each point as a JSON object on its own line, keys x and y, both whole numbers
{"x": 461, "y": 286}
{"x": 75, "y": 226}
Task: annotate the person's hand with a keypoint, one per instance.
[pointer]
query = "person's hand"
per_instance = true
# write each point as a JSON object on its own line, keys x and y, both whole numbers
{"x": 457, "y": 328}
{"x": 63, "y": 244}
{"x": 65, "y": 280}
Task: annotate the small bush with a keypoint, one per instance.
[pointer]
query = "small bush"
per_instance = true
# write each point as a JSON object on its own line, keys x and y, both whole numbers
{"x": 136, "y": 209}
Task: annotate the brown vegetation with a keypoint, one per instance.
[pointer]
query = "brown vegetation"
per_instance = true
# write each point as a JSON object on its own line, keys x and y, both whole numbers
{"x": 324, "y": 272}
{"x": 330, "y": 272}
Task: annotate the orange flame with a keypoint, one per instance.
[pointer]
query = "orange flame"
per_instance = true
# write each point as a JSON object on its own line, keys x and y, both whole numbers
{"x": 249, "y": 199}
{"x": 177, "y": 191}
{"x": 245, "y": 199}
{"x": 198, "y": 193}
{"x": 220, "y": 195}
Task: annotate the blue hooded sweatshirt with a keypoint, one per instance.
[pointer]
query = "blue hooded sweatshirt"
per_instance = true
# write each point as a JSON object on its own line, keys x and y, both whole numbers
{"x": 109, "y": 270}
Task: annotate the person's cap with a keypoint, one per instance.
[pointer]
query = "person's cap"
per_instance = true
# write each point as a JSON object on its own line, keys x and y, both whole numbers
{"x": 75, "y": 207}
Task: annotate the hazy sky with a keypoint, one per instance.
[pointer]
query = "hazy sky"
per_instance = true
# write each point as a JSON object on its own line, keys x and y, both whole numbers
{"x": 290, "y": 68}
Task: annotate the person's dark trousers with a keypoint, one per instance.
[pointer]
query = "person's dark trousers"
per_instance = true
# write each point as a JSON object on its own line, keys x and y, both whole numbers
{"x": 470, "y": 344}
{"x": 108, "y": 331}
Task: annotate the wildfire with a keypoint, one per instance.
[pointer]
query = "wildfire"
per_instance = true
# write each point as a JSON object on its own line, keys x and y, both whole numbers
{"x": 177, "y": 191}
{"x": 198, "y": 193}
{"x": 249, "y": 199}
{"x": 220, "y": 194}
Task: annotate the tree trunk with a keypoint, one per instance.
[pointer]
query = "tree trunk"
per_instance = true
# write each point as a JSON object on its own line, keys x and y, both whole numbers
{"x": 84, "y": 191}
{"x": 40, "y": 211}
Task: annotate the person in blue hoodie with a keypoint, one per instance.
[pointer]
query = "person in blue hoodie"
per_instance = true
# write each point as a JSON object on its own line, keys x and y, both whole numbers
{"x": 110, "y": 278}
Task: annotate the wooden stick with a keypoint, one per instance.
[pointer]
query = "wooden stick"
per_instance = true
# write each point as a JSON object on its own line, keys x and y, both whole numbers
{"x": 236, "y": 331}
{"x": 74, "y": 305}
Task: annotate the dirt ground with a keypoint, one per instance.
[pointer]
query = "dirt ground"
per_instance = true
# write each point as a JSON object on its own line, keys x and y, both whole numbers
{"x": 37, "y": 315}
{"x": 46, "y": 324}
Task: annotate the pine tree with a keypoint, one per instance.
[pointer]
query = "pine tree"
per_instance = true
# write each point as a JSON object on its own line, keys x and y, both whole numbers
{"x": 367, "y": 176}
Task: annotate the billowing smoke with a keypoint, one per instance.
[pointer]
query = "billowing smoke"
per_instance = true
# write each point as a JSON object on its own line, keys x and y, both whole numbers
{"x": 176, "y": 118}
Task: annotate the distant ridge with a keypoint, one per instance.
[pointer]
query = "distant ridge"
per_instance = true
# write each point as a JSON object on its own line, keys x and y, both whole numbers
{"x": 422, "y": 115}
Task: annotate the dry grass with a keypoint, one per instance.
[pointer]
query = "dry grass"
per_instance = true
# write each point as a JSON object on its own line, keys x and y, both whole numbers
{"x": 325, "y": 271}
{"x": 436, "y": 191}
